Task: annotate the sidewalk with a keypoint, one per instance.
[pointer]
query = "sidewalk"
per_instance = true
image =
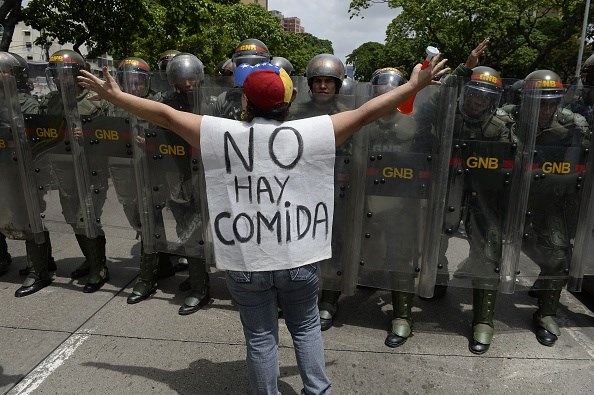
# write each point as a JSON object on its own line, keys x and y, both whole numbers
{"x": 61, "y": 341}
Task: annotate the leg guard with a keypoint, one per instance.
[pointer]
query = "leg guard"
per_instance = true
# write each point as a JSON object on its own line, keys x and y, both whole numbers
{"x": 199, "y": 282}
{"x": 98, "y": 273}
{"x": 402, "y": 323}
{"x": 84, "y": 268}
{"x": 483, "y": 311}
{"x": 328, "y": 308}
{"x": 39, "y": 276}
{"x": 546, "y": 327}
{"x": 146, "y": 284}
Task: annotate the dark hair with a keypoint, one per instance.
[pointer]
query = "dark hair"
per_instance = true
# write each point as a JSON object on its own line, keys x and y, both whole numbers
{"x": 278, "y": 113}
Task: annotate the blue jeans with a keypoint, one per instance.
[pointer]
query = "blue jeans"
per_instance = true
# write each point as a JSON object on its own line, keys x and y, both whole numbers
{"x": 258, "y": 296}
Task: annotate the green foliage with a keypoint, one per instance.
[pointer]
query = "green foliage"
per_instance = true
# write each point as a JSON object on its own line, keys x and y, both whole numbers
{"x": 210, "y": 29}
{"x": 102, "y": 25}
{"x": 525, "y": 35}
{"x": 368, "y": 58}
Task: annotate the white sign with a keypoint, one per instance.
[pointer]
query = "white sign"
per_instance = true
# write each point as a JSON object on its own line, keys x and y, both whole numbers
{"x": 270, "y": 189}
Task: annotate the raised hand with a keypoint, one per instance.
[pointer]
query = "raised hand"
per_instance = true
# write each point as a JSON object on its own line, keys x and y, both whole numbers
{"x": 105, "y": 89}
{"x": 473, "y": 58}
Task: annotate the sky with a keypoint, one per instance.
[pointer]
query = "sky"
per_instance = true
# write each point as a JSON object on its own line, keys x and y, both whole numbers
{"x": 329, "y": 20}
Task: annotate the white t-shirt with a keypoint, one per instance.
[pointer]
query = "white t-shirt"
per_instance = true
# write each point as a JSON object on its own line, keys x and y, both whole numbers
{"x": 270, "y": 189}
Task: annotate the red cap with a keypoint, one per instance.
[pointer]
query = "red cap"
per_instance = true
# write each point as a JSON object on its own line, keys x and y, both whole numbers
{"x": 266, "y": 89}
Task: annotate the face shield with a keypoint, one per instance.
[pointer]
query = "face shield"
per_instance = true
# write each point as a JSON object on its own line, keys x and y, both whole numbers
{"x": 478, "y": 101}
{"x": 252, "y": 60}
{"x": 134, "y": 82}
{"x": 59, "y": 75}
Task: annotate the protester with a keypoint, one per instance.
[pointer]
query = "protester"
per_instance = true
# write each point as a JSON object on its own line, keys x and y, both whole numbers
{"x": 266, "y": 274}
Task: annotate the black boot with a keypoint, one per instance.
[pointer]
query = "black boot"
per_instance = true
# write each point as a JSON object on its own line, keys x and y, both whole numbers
{"x": 5, "y": 258}
{"x": 51, "y": 263}
{"x": 39, "y": 276}
{"x": 328, "y": 308}
{"x": 546, "y": 327}
{"x": 402, "y": 323}
{"x": 83, "y": 269}
{"x": 199, "y": 281}
{"x": 98, "y": 272}
{"x": 146, "y": 284}
{"x": 483, "y": 311}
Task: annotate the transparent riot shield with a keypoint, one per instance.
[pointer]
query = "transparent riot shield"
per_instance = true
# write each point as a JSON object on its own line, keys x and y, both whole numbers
{"x": 20, "y": 216}
{"x": 558, "y": 198}
{"x": 440, "y": 112}
{"x": 399, "y": 154}
{"x": 172, "y": 182}
{"x": 337, "y": 272}
{"x": 91, "y": 192}
{"x": 479, "y": 186}
{"x": 582, "y": 259}
{"x": 109, "y": 152}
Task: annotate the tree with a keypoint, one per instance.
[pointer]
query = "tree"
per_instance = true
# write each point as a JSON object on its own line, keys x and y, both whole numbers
{"x": 10, "y": 15}
{"x": 525, "y": 35}
{"x": 101, "y": 25}
{"x": 368, "y": 57}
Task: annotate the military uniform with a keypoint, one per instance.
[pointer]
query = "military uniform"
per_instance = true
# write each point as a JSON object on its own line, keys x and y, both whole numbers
{"x": 553, "y": 205}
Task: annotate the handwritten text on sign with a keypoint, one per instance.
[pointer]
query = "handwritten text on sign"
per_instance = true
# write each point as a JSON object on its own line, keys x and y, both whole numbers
{"x": 270, "y": 191}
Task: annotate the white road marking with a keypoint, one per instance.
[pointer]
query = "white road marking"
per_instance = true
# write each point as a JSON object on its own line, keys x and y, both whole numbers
{"x": 46, "y": 367}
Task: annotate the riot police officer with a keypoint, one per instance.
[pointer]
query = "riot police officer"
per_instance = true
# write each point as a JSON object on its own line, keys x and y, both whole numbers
{"x": 29, "y": 105}
{"x": 93, "y": 248}
{"x": 324, "y": 75}
{"x": 185, "y": 73}
{"x": 134, "y": 76}
{"x": 392, "y": 250}
{"x": 283, "y": 63}
{"x": 562, "y": 138}
{"x": 482, "y": 131}
{"x": 250, "y": 51}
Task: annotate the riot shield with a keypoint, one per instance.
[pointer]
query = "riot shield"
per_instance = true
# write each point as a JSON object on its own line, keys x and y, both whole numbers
{"x": 558, "y": 199}
{"x": 477, "y": 210}
{"x": 21, "y": 211}
{"x": 173, "y": 183}
{"x": 109, "y": 152}
{"x": 337, "y": 273}
{"x": 399, "y": 154}
{"x": 582, "y": 259}
{"x": 442, "y": 118}
{"x": 90, "y": 192}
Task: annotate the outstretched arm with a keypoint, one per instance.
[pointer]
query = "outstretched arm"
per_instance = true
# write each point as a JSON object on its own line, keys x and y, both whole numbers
{"x": 186, "y": 124}
{"x": 349, "y": 122}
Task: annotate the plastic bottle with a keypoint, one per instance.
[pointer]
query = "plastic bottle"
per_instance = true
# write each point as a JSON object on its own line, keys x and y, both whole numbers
{"x": 407, "y": 107}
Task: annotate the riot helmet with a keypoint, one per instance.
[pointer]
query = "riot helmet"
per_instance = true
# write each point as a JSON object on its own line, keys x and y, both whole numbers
{"x": 283, "y": 63}
{"x": 185, "y": 72}
{"x": 69, "y": 62}
{"x": 251, "y": 51}
{"x": 164, "y": 58}
{"x": 386, "y": 79}
{"x": 547, "y": 88}
{"x": 348, "y": 87}
{"x": 134, "y": 76}
{"x": 21, "y": 72}
{"x": 8, "y": 64}
{"x": 325, "y": 65}
{"x": 225, "y": 69}
{"x": 481, "y": 95}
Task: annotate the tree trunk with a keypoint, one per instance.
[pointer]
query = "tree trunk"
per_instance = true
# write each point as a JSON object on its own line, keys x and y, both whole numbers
{"x": 10, "y": 15}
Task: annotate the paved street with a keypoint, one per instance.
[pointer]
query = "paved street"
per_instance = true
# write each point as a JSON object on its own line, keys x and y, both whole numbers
{"x": 61, "y": 341}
